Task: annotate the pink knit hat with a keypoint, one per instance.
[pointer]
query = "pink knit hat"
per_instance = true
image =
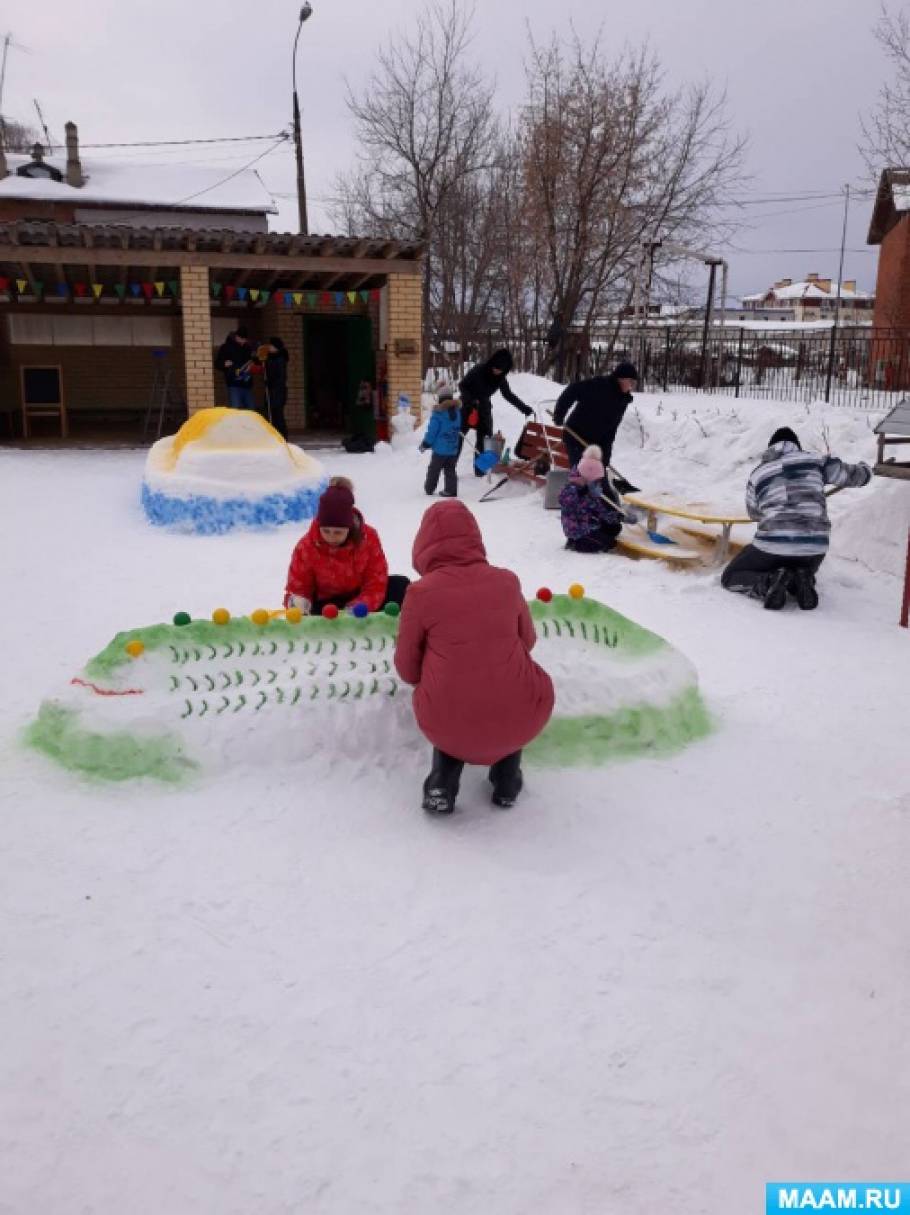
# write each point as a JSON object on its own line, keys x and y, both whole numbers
{"x": 591, "y": 464}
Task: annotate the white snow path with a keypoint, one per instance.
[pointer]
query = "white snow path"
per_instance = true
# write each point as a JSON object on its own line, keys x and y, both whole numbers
{"x": 652, "y": 986}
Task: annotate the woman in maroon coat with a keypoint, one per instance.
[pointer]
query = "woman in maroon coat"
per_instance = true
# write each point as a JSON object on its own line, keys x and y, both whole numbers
{"x": 465, "y": 642}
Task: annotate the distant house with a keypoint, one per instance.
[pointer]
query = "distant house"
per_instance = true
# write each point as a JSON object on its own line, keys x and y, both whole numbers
{"x": 890, "y": 228}
{"x": 810, "y": 299}
{"x": 119, "y": 279}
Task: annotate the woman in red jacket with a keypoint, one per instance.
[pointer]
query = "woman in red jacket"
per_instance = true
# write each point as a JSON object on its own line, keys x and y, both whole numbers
{"x": 465, "y": 641}
{"x": 340, "y": 560}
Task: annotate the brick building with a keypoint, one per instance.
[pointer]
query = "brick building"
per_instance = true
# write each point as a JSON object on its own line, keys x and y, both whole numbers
{"x": 890, "y": 229}
{"x": 118, "y": 282}
{"x": 813, "y": 298}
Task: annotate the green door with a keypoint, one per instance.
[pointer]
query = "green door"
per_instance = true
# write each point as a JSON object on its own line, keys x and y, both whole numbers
{"x": 361, "y": 365}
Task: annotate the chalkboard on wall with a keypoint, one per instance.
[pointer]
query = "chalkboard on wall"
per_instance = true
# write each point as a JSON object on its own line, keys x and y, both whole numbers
{"x": 41, "y": 386}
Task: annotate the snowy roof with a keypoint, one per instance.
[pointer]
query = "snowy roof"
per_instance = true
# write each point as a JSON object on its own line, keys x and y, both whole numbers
{"x": 897, "y": 422}
{"x": 892, "y": 200}
{"x": 809, "y": 290}
{"x": 122, "y": 183}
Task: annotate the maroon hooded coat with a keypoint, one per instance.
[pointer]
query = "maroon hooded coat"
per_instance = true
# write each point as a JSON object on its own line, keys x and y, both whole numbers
{"x": 465, "y": 640}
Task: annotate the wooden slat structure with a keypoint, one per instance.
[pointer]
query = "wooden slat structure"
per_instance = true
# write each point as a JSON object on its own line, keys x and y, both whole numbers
{"x": 894, "y": 431}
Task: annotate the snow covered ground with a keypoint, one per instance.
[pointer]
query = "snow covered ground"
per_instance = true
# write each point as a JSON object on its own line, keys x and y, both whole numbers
{"x": 651, "y": 986}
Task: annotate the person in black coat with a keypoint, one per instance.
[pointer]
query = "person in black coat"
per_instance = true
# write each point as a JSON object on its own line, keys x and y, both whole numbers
{"x": 233, "y": 359}
{"x": 276, "y": 383}
{"x": 593, "y": 410}
{"x": 476, "y": 389}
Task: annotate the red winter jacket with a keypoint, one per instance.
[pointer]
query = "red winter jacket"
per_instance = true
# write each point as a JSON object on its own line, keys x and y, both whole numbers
{"x": 356, "y": 571}
{"x": 465, "y": 639}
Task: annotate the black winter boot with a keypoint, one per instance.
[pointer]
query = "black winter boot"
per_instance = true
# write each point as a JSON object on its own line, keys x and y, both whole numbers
{"x": 775, "y": 591}
{"x": 507, "y": 780}
{"x": 440, "y": 789}
{"x": 803, "y": 588}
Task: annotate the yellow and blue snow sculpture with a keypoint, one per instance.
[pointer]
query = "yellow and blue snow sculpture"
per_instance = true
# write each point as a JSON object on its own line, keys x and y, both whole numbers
{"x": 228, "y": 468}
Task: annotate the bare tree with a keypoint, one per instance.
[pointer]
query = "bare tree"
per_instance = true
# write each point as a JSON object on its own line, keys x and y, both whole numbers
{"x": 611, "y": 160}
{"x": 18, "y": 136}
{"x": 886, "y": 130}
{"x": 426, "y": 127}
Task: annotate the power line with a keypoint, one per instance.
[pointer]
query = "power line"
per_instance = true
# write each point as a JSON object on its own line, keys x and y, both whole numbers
{"x": 231, "y": 176}
{"x": 173, "y": 143}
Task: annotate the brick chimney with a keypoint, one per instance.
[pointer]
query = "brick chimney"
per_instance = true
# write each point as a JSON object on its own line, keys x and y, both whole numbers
{"x": 73, "y": 165}
{"x": 825, "y": 284}
{"x": 812, "y": 277}
{"x": 849, "y": 284}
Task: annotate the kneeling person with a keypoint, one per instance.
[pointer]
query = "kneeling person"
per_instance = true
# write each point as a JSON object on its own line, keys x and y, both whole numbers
{"x": 786, "y": 495}
{"x": 590, "y": 508}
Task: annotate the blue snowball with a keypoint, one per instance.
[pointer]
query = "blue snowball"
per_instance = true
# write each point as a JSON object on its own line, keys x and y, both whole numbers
{"x": 361, "y": 610}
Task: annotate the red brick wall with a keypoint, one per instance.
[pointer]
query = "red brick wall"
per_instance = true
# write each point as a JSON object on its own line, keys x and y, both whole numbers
{"x": 892, "y": 291}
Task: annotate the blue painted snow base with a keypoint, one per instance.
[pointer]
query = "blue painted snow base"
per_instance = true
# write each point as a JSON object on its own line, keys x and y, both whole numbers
{"x": 213, "y": 516}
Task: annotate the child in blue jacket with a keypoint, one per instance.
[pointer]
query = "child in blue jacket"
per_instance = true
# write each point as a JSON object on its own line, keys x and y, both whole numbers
{"x": 443, "y": 438}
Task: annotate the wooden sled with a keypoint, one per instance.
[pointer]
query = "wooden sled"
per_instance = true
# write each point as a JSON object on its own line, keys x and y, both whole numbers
{"x": 694, "y": 512}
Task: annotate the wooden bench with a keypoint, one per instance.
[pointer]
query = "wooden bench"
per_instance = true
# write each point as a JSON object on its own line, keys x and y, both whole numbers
{"x": 695, "y": 512}
{"x": 538, "y": 452}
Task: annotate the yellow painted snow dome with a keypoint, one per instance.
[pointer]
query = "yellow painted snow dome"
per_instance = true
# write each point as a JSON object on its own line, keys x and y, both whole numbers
{"x": 222, "y": 456}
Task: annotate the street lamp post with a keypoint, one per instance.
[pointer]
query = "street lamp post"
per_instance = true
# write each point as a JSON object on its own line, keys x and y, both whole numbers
{"x": 305, "y": 12}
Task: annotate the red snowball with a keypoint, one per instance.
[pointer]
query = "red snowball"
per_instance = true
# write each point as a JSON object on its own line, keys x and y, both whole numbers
{"x": 330, "y": 611}
{"x": 544, "y": 594}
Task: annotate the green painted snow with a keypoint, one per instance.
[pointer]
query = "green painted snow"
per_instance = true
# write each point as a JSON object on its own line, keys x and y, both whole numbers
{"x": 635, "y": 731}
{"x": 114, "y": 756}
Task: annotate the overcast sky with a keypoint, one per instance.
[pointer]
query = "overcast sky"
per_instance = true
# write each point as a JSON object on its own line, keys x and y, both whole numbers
{"x": 798, "y": 73}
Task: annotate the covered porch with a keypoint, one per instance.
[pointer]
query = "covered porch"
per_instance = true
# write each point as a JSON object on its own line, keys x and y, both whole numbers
{"x": 108, "y": 333}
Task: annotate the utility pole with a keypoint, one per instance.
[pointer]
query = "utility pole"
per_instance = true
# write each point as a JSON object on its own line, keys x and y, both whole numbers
{"x": 840, "y": 280}
{"x": 303, "y": 224}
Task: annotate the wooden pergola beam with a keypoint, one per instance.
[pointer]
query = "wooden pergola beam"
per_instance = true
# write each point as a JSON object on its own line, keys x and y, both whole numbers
{"x": 301, "y": 265}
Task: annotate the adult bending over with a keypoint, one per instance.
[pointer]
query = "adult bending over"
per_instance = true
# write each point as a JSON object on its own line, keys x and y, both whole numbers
{"x": 593, "y": 409}
{"x": 479, "y": 696}
{"x": 477, "y": 389}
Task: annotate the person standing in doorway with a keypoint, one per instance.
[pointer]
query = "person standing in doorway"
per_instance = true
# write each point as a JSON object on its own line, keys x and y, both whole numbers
{"x": 233, "y": 359}
{"x": 276, "y": 384}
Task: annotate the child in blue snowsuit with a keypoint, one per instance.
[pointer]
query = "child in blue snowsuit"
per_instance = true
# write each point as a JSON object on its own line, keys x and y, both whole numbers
{"x": 443, "y": 438}
{"x": 591, "y": 511}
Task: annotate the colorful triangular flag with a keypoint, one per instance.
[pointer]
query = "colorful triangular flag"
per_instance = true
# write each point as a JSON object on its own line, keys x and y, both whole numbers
{"x": 230, "y": 291}
{"x": 364, "y": 296}
{"x": 339, "y": 298}
{"x": 298, "y": 298}
{"x": 81, "y": 289}
{"x": 311, "y": 299}
{"x": 21, "y": 285}
{"x": 254, "y": 294}
{"x": 326, "y": 300}
{"x": 120, "y": 289}
{"x": 216, "y": 289}
{"x": 242, "y": 293}
{"x": 265, "y": 295}
{"x": 97, "y": 290}
{"x": 135, "y": 289}
{"x": 159, "y": 287}
{"x": 148, "y": 290}
{"x": 62, "y": 289}
{"x": 174, "y": 287}
{"x": 352, "y": 297}
{"x": 4, "y": 284}
{"x": 374, "y": 295}
{"x": 39, "y": 287}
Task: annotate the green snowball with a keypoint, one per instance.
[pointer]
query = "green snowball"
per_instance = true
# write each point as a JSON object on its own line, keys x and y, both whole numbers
{"x": 392, "y": 609}
{"x": 183, "y": 618}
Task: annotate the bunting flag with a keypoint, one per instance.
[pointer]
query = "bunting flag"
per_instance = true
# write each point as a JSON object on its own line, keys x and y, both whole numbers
{"x": 39, "y": 287}
{"x": 265, "y": 295}
{"x": 311, "y": 299}
{"x": 135, "y": 289}
{"x": 120, "y": 289}
{"x": 254, "y": 294}
{"x": 286, "y": 298}
{"x": 4, "y": 284}
{"x": 352, "y": 297}
{"x": 230, "y": 291}
{"x": 148, "y": 290}
{"x": 242, "y": 293}
{"x": 21, "y": 285}
{"x": 62, "y": 289}
{"x": 326, "y": 300}
{"x": 174, "y": 287}
{"x": 339, "y": 298}
{"x": 159, "y": 287}
{"x": 374, "y": 295}
{"x": 80, "y": 289}
{"x": 97, "y": 290}
{"x": 216, "y": 289}
{"x": 298, "y": 298}
{"x": 364, "y": 297}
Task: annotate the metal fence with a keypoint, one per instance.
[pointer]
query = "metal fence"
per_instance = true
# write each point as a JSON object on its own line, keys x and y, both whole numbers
{"x": 859, "y": 367}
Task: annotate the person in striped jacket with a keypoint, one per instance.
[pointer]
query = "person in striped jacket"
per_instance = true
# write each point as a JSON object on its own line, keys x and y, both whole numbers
{"x": 786, "y": 496}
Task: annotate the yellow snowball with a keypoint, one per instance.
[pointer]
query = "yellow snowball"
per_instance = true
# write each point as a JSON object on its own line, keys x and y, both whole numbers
{"x": 221, "y": 616}
{"x": 260, "y": 616}
{"x": 577, "y": 591}
{"x": 135, "y": 648}
{"x": 293, "y": 615}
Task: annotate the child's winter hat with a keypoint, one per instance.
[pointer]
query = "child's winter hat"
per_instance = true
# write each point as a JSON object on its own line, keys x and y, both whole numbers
{"x": 591, "y": 464}
{"x": 445, "y": 400}
{"x": 336, "y": 507}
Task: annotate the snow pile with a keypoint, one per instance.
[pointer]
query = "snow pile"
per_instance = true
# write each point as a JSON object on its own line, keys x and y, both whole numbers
{"x": 167, "y": 700}
{"x": 229, "y": 468}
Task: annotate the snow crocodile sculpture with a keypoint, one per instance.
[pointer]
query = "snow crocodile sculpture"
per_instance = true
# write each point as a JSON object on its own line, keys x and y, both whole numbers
{"x": 171, "y": 700}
